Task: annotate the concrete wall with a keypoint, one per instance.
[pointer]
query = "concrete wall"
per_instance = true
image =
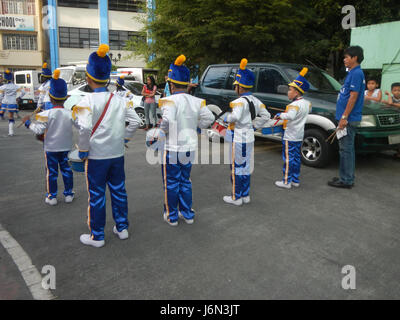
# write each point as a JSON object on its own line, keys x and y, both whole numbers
{"x": 381, "y": 50}
{"x": 25, "y": 59}
{"x": 89, "y": 18}
{"x": 78, "y": 18}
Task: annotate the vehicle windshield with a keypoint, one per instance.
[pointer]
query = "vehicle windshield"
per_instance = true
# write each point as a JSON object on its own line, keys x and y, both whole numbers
{"x": 320, "y": 81}
{"x": 66, "y": 74}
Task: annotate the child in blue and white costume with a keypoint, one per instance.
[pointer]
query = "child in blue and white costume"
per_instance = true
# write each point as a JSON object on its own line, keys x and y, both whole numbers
{"x": 182, "y": 114}
{"x": 8, "y": 98}
{"x": 102, "y": 138}
{"x": 121, "y": 91}
{"x": 295, "y": 118}
{"x": 57, "y": 123}
{"x": 240, "y": 134}
{"x": 44, "y": 102}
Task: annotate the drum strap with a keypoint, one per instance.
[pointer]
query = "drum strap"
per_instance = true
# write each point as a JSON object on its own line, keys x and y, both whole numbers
{"x": 252, "y": 108}
{"x": 102, "y": 115}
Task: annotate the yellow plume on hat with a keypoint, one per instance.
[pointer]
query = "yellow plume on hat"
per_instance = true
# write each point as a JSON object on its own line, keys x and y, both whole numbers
{"x": 56, "y": 74}
{"x": 7, "y": 71}
{"x": 303, "y": 72}
{"x": 102, "y": 51}
{"x": 243, "y": 64}
{"x": 180, "y": 60}
{"x": 122, "y": 77}
{"x": 44, "y": 65}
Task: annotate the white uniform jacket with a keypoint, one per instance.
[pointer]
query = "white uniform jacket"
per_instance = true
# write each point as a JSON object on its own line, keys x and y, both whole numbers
{"x": 44, "y": 90}
{"x": 107, "y": 141}
{"x": 295, "y": 118}
{"x": 9, "y": 93}
{"x": 182, "y": 114}
{"x": 240, "y": 118}
{"x": 57, "y": 123}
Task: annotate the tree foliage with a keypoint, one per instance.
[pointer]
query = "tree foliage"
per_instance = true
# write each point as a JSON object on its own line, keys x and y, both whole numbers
{"x": 222, "y": 31}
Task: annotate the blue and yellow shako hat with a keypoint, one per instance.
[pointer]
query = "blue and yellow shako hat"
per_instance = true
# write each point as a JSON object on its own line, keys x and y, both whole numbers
{"x": 301, "y": 83}
{"x": 121, "y": 81}
{"x": 46, "y": 72}
{"x": 244, "y": 77}
{"x": 58, "y": 87}
{"x": 178, "y": 73}
{"x": 8, "y": 75}
{"x": 98, "y": 67}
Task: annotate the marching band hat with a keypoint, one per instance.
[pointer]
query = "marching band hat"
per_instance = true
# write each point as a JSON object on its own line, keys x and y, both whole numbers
{"x": 58, "y": 87}
{"x": 98, "y": 67}
{"x": 301, "y": 83}
{"x": 178, "y": 73}
{"x": 244, "y": 77}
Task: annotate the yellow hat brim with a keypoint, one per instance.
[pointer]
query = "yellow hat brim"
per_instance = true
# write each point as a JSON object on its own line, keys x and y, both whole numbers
{"x": 293, "y": 84}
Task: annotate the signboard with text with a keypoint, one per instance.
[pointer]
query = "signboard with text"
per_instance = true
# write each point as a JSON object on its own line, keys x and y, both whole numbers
{"x": 17, "y": 23}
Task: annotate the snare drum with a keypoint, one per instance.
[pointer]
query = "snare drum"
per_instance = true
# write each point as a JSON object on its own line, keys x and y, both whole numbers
{"x": 220, "y": 127}
{"x": 76, "y": 163}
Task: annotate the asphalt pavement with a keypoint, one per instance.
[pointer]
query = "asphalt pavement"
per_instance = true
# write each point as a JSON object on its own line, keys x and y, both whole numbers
{"x": 285, "y": 244}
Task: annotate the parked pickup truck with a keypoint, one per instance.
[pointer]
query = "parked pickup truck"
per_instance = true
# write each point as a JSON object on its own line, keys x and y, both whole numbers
{"x": 378, "y": 130}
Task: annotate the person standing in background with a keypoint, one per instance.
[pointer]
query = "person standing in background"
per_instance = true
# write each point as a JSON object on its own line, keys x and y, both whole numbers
{"x": 150, "y": 111}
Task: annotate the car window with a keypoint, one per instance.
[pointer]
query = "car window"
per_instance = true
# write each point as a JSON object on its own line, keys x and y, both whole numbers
{"x": 215, "y": 77}
{"x": 232, "y": 77}
{"x": 319, "y": 81}
{"x": 20, "y": 79}
{"x": 269, "y": 80}
{"x": 86, "y": 88}
{"x": 135, "y": 87}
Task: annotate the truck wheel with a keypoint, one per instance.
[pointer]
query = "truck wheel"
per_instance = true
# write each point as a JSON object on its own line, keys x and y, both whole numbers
{"x": 315, "y": 152}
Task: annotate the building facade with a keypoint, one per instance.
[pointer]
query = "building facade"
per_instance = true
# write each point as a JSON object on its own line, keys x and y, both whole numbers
{"x": 79, "y": 26}
{"x": 22, "y": 43}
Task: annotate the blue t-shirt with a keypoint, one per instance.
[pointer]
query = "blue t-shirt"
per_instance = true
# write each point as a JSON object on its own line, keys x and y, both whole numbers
{"x": 355, "y": 81}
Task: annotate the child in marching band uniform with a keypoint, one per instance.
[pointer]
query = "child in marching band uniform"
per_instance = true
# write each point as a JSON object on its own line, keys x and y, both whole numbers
{"x": 241, "y": 133}
{"x": 8, "y": 98}
{"x": 121, "y": 91}
{"x": 44, "y": 102}
{"x": 101, "y": 118}
{"x": 57, "y": 123}
{"x": 294, "y": 118}
{"x": 182, "y": 114}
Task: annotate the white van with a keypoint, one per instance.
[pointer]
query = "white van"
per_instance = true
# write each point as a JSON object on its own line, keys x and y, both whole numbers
{"x": 74, "y": 75}
{"x": 137, "y": 74}
{"x": 30, "y": 81}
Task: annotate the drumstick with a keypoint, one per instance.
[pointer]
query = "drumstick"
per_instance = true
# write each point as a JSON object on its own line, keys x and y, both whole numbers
{"x": 33, "y": 113}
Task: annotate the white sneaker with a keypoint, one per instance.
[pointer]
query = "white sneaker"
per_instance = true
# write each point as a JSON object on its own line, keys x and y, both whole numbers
{"x": 87, "y": 239}
{"x": 123, "y": 234}
{"x": 188, "y": 221}
{"x": 280, "y": 184}
{"x": 295, "y": 184}
{"x": 51, "y": 202}
{"x": 228, "y": 199}
{"x": 68, "y": 199}
{"x": 172, "y": 224}
{"x": 246, "y": 199}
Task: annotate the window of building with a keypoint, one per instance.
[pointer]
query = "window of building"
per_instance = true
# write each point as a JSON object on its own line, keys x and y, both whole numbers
{"x": 118, "y": 38}
{"x": 78, "y": 37}
{"x": 88, "y": 4}
{"x": 215, "y": 77}
{"x": 19, "y": 42}
{"x": 24, "y": 7}
{"x": 269, "y": 80}
{"x": 126, "y": 5}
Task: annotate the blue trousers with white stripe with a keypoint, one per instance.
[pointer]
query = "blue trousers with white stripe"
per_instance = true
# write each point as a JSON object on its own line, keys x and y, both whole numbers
{"x": 291, "y": 154}
{"x": 100, "y": 173}
{"x": 53, "y": 160}
{"x": 240, "y": 169}
{"x": 176, "y": 168}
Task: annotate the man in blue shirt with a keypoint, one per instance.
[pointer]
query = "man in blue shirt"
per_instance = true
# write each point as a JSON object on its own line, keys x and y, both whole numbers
{"x": 348, "y": 113}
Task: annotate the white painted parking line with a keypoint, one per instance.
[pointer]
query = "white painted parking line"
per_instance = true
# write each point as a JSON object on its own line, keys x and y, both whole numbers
{"x": 30, "y": 274}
